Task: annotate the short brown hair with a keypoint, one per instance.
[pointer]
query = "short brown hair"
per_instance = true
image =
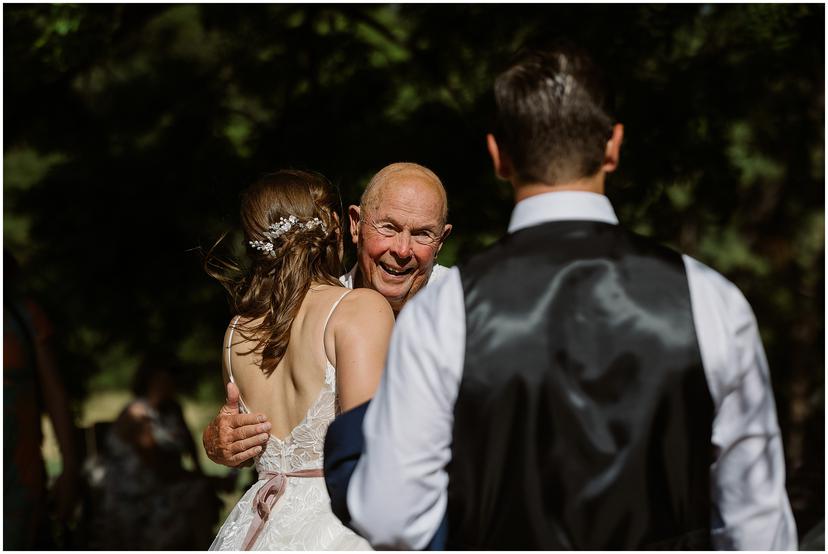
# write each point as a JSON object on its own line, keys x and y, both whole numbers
{"x": 551, "y": 115}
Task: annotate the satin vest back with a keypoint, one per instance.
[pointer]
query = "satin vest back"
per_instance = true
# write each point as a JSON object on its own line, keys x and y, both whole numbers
{"x": 583, "y": 418}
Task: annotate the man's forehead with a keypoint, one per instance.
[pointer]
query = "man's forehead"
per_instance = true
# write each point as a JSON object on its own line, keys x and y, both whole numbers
{"x": 407, "y": 183}
{"x": 402, "y": 213}
{"x": 408, "y": 199}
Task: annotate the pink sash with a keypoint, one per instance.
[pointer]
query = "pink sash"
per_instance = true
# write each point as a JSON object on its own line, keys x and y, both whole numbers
{"x": 267, "y": 496}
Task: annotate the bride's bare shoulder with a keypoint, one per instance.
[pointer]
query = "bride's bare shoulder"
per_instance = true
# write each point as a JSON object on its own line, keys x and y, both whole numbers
{"x": 362, "y": 300}
{"x": 240, "y": 328}
{"x": 362, "y": 307}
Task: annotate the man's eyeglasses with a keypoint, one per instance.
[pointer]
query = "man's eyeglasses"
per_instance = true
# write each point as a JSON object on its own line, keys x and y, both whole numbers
{"x": 425, "y": 237}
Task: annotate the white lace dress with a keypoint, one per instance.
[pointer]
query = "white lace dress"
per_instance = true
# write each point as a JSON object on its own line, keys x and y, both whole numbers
{"x": 302, "y": 518}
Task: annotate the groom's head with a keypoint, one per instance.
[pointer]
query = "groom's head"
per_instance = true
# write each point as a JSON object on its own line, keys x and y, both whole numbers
{"x": 553, "y": 125}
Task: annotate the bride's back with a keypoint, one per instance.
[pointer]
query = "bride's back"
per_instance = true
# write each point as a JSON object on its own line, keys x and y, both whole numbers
{"x": 286, "y": 393}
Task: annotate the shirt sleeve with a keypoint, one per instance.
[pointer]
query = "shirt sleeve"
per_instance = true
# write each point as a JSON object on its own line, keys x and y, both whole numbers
{"x": 750, "y": 508}
{"x": 397, "y": 497}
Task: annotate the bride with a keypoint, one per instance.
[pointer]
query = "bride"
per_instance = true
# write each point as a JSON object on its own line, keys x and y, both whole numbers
{"x": 301, "y": 349}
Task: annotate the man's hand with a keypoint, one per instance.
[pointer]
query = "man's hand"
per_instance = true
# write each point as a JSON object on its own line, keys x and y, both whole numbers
{"x": 233, "y": 438}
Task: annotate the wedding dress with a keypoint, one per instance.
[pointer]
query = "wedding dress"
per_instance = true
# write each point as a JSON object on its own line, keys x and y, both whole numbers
{"x": 301, "y": 518}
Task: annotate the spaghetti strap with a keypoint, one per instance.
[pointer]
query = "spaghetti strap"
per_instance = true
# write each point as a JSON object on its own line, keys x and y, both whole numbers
{"x": 335, "y": 304}
{"x": 229, "y": 344}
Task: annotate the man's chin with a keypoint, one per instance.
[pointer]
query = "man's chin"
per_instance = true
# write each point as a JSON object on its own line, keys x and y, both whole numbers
{"x": 395, "y": 294}
{"x": 397, "y": 291}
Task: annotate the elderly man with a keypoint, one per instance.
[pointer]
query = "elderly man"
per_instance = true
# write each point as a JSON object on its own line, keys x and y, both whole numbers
{"x": 575, "y": 386}
{"x": 398, "y": 229}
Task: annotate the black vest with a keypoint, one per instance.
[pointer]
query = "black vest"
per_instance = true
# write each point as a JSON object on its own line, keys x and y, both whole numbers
{"x": 583, "y": 418}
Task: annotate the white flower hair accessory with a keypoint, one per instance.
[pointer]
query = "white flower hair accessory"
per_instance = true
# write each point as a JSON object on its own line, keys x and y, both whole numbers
{"x": 281, "y": 227}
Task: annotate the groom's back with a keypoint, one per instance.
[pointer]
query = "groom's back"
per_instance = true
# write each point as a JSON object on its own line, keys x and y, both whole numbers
{"x": 583, "y": 418}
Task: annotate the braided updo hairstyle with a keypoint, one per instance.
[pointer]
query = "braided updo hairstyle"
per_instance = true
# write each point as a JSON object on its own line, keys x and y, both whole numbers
{"x": 276, "y": 282}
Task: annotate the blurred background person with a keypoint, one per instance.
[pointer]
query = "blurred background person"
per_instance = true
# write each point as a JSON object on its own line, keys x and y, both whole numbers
{"x": 32, "y": 386}
{"x": 147, "y": 498}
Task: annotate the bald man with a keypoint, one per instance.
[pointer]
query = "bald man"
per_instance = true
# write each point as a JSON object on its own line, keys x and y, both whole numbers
{"x": 398, "y": 229}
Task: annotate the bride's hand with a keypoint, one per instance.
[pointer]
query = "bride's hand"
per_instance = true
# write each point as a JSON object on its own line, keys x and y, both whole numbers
{"x": 232, "y": 438}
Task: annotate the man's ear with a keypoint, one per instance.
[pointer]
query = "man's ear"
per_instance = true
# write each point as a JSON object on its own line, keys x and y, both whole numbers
{"x": 612, "y": 153}
{"x": 500, "y": 160}
{"x": 443, "y": 237}
{"x": 353, "y": 216}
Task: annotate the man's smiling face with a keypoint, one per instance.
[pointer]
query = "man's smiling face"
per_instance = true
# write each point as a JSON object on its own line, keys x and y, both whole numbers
{"x": 398, "y": 236}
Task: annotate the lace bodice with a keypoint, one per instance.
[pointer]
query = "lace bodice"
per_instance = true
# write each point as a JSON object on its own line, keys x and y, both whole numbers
{"x": 302, "y": 449}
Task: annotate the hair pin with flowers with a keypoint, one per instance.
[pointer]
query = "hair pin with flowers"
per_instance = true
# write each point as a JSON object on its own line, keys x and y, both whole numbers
{"x": 284, "y": 225}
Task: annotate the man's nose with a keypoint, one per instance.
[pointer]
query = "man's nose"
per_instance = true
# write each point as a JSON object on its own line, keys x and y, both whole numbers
{"x": 402, "y": 244}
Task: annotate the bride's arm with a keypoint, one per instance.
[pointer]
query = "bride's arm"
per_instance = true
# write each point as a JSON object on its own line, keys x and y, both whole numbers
{"x": 361, "y": 327}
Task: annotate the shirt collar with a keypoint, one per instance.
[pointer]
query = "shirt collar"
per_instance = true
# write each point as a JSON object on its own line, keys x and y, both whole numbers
{"x": 347, "y": 280}
{"x": 565, "y": 205}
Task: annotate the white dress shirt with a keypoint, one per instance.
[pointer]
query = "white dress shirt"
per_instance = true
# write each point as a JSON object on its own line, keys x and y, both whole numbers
{"x": 398, "y": 493}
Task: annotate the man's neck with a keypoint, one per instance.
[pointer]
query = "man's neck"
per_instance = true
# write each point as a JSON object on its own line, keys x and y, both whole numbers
{"x": 594, "y": 183}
